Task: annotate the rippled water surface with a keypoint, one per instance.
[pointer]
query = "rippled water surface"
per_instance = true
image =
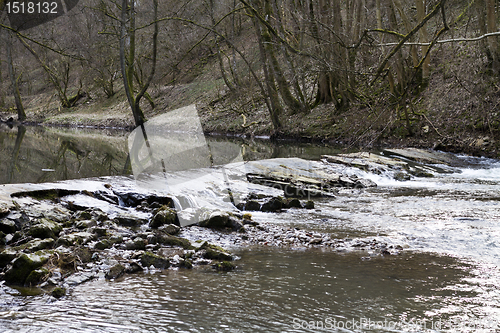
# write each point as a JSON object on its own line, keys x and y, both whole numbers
{"x": 278, "y": 290}
{"x": 446, "y": 280}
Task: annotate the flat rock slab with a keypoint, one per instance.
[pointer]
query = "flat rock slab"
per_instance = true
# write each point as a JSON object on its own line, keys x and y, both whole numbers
{"x": 424, "y": 156}
{"x": 366, "y": 161}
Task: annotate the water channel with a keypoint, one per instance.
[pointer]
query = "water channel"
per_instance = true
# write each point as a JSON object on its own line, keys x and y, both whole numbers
{"x": 445, "y": 280}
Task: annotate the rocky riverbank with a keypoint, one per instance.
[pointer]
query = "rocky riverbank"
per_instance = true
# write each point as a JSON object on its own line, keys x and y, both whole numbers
{"x": 56, "y": 236}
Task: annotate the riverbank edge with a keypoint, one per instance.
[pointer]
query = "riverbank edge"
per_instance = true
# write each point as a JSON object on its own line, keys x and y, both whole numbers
{"x": 472, "y": 143}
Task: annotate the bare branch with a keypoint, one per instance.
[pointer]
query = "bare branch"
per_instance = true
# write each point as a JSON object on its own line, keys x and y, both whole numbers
{"x": 443, "y": 41}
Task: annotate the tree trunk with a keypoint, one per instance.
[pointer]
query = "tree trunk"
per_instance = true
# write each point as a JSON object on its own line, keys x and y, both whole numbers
{"x": 399, "y": 63}
{"x": 275, "y": 109}
{"x": 492, "y": 27}
{"x": 420, "y": 4}
{"x": 127, "y": 61}
{"x": 284, "y": 87}
{"x": 21, "y": 114}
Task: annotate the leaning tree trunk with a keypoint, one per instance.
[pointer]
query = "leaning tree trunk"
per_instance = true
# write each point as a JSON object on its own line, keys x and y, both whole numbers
{"x": 275, "y": 108}
{"x": 127, "y": 61}
{"x": 21, "y": 114}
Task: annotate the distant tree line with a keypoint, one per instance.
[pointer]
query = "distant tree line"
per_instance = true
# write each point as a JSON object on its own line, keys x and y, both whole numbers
{"x": 296, "y": 54}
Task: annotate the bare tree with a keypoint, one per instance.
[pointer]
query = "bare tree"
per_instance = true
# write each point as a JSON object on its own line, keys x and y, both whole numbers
{"x": 21, "y": 114}
{"x": 128, "y": 56}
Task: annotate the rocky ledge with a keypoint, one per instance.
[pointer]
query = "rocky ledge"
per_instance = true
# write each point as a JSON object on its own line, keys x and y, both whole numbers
{"x": 54, "y": 237}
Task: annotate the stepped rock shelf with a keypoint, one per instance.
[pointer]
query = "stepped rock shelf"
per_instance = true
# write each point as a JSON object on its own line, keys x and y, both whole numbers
{"x": 54, "y": 236}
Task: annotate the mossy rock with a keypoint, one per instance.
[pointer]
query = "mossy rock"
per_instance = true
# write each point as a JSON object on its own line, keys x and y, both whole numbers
{"x": 64, "y": 261}
{"x": 38, "y": 244}
{"x": 309, "y": 204}
{"x": 23, "y": 265}
{"x": 85, "y": 224}
{"x": 84, "y": 254}
{"x": 115, "y": 272}
{"x": 58, "y": 292}
{"x": 187, "y": 263}
{"x": 77, "y": 238}
{"x": 116, "y": 239}
{"x": 36, "y": 277}
{"x": 167, "y": 239}
{"x": 401, "y": 176}
{"x": 224, "y": 266}
{"x": 128, "y": 220}
{"x": 292, "y": 203}
{"x": 170, "y": 229}
{"x": 45, "y": 229}
{"x": 103, "y": 244}
{"x": 100, "y": 232}
{"x": 215, "y": 252}
{"x": 272, "y": 205}
{"x": 4, "y": 209}
{"x": 136, "y": 244}
{"x": 148, "y": 259}
{"x": 216, "y": 221}
{"x": 163, "y": 216}
{"x": 252, "y": 205}
{"x": 81, "y": 215}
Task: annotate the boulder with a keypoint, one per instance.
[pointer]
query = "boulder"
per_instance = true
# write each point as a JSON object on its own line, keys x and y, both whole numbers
{"x": 77, "y": 238}
{"x": 7, "y": 226}
{"x": 309, "y": 204}
{"x": 162, "y": 217}
{"x": 115, "y": 271}
{"x": 103, "y": 244}
{"x": 215, "y": 252}
{"x": 37, "y": 276}
{"x": 79, "y": 278}
{"x": 38, "y": 244}
{"x": 148, "y": 259}
{"x": 216, "y": 221}
{"x": 171, "y": 229}
{"x": 272, "y": 205}
{"x": 23, "y": 265}
{"x": 166, "y": 239}
{"x": 129, "y": 220}
{"x": 252, "y": 205}
{"x": 4, "y": 209}
{"x": 85, "y": 224}
{"x": 136, "y": 244}
{"x": 58, "y": 292}
{"x": 224, "y": 266}
{"x": 45, "y": 229}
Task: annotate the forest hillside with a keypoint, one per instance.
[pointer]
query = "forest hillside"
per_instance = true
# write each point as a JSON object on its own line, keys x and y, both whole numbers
{"x": 385, "y": 72}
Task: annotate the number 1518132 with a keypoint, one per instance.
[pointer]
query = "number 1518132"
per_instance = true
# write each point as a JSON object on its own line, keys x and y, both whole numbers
{"x": 21, "y": 7}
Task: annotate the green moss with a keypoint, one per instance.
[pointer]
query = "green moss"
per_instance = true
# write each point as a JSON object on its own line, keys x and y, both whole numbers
{"x": 174, "y": 241}
{"x": 36, "y": 277}
{"x": 187, "y": 264}
{"x": 224, "y": 266}
{"x": 23, "y": 265}
{"x": 45, "y": 229}
{"x": 148, "y": 259}
{"x": 215, "y": 252}
{"x": 58, "y": 292}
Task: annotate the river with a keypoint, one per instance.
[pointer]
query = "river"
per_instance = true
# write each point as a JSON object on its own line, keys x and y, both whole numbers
{"x": 445, "y": 280}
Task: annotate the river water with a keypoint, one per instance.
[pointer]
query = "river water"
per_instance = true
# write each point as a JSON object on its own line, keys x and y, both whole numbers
{"x": 445, "y": 280}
